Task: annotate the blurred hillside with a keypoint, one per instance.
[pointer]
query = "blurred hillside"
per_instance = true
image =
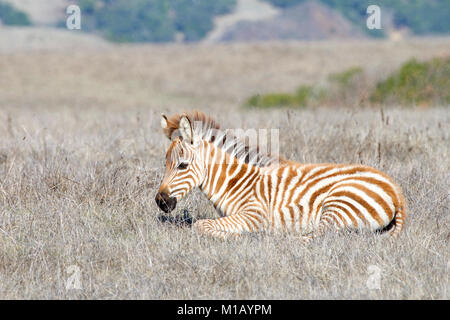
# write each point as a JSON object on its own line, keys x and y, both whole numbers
{"x": 40, "y": 13}
{"x": 234, "y": 20}
{"x": 419, "y": 16}
{"x": 309, "y": 20}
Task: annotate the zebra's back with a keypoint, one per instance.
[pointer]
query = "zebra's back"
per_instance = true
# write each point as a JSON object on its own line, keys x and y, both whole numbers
{"x": 303, "y": 198}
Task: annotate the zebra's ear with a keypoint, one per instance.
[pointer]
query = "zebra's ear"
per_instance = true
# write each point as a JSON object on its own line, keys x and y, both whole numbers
{"x": 165, "y": 126}
{"x": 187, "y": 131}
{"x": 163, "y": 121}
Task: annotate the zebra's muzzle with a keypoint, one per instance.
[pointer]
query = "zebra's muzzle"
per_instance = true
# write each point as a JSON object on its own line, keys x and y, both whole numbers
{"x": 165, "y": 203}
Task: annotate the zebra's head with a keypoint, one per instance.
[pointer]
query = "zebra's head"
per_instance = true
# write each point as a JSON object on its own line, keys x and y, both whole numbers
{"x": 184, "y": 168}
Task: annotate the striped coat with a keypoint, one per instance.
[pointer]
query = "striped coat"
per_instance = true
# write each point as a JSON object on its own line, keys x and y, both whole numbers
{"x": 253, "y": 192}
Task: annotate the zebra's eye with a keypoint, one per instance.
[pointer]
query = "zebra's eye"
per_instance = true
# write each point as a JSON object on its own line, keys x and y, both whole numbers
{"x": 183, "y": 165}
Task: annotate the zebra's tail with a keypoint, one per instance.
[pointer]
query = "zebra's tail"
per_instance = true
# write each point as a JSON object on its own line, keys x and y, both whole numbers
{"x": 399, "y": 221}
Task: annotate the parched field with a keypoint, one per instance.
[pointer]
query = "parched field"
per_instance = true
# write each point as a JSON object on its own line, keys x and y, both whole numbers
{"x": 81, "y": 156}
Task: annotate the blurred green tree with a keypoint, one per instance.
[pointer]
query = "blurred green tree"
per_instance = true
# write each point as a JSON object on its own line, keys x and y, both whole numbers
{"x": 12, "y": 16}
{"x": 152, "y": 20}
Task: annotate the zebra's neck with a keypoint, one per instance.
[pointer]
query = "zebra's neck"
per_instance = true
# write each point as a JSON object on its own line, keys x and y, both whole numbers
{"x": 227, "y": 182}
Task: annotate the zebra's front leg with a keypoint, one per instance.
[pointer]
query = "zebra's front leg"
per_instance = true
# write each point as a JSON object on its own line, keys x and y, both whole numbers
{"x": 230, "y": 226}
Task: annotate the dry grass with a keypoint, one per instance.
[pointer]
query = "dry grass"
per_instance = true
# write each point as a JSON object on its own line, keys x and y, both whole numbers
{"x": 171, "y": 77}
{"x": 80, "y": 160}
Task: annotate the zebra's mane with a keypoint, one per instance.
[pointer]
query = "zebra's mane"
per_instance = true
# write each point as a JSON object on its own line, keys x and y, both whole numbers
{"x": 210, "y": 130}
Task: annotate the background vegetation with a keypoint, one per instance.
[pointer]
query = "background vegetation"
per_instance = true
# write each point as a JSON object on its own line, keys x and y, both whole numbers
{"x": 422, "y": 83}
{"x": 421, "y": 16}
{"x": 414, "y": 83}
{"x": 191, "y": 20}
{"x": 12, "y": 16}
{"x": 156, "y": 20}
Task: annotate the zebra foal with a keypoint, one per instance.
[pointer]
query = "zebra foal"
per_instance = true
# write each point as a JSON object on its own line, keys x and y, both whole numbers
{"x": 254, "y": 192}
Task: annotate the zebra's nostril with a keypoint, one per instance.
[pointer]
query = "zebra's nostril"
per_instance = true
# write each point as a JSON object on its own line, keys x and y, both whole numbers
{"x": 164, "y": 202}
